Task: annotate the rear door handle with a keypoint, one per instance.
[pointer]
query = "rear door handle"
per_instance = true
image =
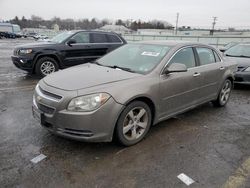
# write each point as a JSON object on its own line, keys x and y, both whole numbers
{"x": 222, "y": 68}
{"x": 196, "y": 74}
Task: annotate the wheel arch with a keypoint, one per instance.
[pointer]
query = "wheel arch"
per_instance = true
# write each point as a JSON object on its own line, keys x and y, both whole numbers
{"x": 146, "y": 100}
{"x": 53, "y": 56}
{"x": 231, "y": 78}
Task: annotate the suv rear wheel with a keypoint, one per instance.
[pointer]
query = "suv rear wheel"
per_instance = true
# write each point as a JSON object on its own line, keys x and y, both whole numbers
{"x": 46, "y": 66}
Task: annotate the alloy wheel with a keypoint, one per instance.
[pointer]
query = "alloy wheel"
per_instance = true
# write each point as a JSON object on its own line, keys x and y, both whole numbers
{"x": 225, "y": 92}
{"x": 135, "y": 123}
{"x": 47, "y": 67}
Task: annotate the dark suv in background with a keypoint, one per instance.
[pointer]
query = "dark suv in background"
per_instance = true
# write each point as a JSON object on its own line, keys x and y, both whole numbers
{"x": 65, "y": 50}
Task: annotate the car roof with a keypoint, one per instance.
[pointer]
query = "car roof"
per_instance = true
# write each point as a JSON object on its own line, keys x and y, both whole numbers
{"x": 95, "y": 31}
{"x": 171, "y": 43}
{"x": 244, "y": 44}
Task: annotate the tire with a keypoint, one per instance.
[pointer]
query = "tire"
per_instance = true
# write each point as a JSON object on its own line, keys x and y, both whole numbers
{"x": 130, "y": 128}
{"x": 224, "y": 94}
{"x": 46, "y": 66}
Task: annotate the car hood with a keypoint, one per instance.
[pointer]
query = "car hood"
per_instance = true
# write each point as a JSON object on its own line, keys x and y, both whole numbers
{"x": 86, "y": 76}
{"x": 241, "y": 61}
{"x": 36, "y": 45}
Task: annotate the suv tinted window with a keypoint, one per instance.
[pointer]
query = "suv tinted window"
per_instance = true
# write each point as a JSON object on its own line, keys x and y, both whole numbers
{"x": 99, "y": 38}
{"x": 206, "y": 56}
{"x": 81, "y": 37}
{"x": 114, "y": 39}
{"x": 184, "y": 56}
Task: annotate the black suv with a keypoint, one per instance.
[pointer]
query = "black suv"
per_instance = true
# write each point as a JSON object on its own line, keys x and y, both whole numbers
{"x": 64, "y": 50}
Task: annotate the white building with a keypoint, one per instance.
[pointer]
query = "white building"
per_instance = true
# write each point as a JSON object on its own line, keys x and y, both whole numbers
{"x": 116, "y": 28}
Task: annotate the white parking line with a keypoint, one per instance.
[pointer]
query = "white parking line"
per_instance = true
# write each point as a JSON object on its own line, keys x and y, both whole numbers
{"x": 38, "y": 158}
{"x": 28, "y": 87}
{"x": 185, "y": 179}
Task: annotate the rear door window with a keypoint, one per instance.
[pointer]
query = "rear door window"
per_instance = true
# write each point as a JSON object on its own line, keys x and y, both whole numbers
{"x": 99, "y": 38}
{"x": 184, "y": 56}
{"x": 81, "y": 37}
{"x": 206, "y": 56}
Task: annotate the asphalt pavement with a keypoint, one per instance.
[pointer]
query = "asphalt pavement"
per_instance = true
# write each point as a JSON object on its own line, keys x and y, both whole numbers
{"x": 210, "y": 145}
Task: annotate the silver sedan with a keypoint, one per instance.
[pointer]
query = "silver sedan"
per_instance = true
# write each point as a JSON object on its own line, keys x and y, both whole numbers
{"x": 130, "y": 89}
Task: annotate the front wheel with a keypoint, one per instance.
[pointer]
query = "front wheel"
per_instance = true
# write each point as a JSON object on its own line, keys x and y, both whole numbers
{"x": 224, "y": 94}
{"x": 133, "y": 123}
{"x": 46, "y": 66}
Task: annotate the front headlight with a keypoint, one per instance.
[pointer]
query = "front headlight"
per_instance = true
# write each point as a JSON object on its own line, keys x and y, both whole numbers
{"x": 247, "y": 69}
{"x": 88, "y": 102}
{"x": 25, "y": 51}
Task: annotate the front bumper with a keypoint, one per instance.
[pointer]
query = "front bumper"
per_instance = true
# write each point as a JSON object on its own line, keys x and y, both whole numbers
{"x": 23, "y": 63}
{"x": 95, "y": 126}
{"x": 242, "y": 78}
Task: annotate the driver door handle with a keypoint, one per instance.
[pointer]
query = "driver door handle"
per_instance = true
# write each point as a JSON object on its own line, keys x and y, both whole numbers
{"x": 196, "y": 74}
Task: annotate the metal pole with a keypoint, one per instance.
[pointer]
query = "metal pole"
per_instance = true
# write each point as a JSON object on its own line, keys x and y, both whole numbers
{"x": 176, "y": 25}
{"x": 213, "y": 24}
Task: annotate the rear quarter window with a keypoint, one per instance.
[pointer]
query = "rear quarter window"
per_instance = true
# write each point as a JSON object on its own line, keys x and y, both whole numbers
{"x": 114, "y": 39}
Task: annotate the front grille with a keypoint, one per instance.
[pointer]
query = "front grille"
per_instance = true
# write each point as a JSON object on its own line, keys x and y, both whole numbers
{"x": 45, "y": 109}
{"x": 51, "y": 95}
{"x": 241, "y": 68}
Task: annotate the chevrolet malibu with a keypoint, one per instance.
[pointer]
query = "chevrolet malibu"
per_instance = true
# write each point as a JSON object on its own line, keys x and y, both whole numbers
{"x": 127, "y": 91}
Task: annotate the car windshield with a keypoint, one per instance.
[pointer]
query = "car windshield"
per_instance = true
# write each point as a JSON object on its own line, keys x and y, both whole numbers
{"x": 229, "y": 45}
{"x": 240, "y": 50}
{"x": 61, "y": 37}
{"x": 140, "y": 58}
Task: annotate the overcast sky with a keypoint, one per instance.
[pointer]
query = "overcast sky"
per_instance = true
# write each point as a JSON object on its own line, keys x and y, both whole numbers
{"x": 192, "y": 12}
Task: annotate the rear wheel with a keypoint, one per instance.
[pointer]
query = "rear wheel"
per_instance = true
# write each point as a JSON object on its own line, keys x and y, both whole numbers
{"x": 224, "y": 94}
{"x": 133, "y": 123}
{"x": 46, "y": 66}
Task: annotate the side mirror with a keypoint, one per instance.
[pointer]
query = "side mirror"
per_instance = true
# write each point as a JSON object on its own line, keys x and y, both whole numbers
{"x": 223, "y": 50}
{"x": 71, "y": 41}
{"x": 175, "y": 67}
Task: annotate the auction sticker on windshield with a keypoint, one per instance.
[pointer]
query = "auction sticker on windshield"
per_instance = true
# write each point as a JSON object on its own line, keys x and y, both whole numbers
{"x": 154, "y": 54}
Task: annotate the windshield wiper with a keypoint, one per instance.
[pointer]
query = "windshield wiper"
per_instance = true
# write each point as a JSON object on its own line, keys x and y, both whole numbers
{"x": 237, "y": 55}
{"x": 122, "y": 68}
{"x": 97, "y": 63}
{"x": 113, "y": 66}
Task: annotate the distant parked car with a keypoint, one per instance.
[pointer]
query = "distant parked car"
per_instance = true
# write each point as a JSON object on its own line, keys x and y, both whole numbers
{"x": 2, "y": 34}
{"x": 65, "y": 50}
{"x": 31, "y": 34}
{"x": 241, "y": 55}
{"x": 40, "y": 36}
{"x": 125, "y": 92}
{"x": 8, "y": 35}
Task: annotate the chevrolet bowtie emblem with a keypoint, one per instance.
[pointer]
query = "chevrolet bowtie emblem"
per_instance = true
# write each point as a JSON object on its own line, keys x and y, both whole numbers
{"x": 38, "y": 98}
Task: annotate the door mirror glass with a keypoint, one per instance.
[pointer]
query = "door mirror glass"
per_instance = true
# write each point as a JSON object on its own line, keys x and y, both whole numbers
{"x": 175, "y": 67}
{"x": 71, "y": 41}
